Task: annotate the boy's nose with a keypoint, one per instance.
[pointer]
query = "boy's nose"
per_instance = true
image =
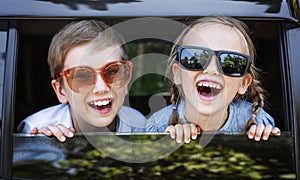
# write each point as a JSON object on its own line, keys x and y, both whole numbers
{"x": 100, "y": 86}
{"x": 212, "y": 67}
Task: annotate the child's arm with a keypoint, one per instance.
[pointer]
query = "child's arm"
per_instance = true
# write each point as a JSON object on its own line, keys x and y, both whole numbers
{"x": 183, "y": 132}
{"x": 260, "y": 131}
{"x": 59, "y": 131}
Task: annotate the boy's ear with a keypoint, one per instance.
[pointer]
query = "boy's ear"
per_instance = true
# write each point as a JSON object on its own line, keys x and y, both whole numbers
{"x": 176, "y": 74}
{"x": 247, "y": 80}
{"x": 59, "y": 91}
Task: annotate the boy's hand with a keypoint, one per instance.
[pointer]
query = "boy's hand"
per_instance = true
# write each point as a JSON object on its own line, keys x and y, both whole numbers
{"x": 260, "y": 131}
{"x": 59, "y": 131}
{"x": 183, "y": 132}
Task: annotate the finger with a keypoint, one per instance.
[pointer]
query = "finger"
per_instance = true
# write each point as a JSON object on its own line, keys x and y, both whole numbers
{"x": 267, "y": 132}
{"x": 66, "y": 131}
{"x": 171, "y": 130}
{"x": 276, "y": 131}
{"x": 194, "y": 131}
{"x": 45, "y": 131}
{"x": 251, "y": 131}
{"x": 72, "y": 129}
{"x": 57, "y": 133}
{"x": 179, "y": 133}
{"x": 187, "y": 133}
{"x": 34, "y": 130}
{"x": 198, "y": 128}
{"x": 259, "y": 130}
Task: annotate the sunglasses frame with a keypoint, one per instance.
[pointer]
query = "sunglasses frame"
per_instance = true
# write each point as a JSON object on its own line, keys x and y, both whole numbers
{"x": 97, "y": 71}
{"x": 210, "y": 54}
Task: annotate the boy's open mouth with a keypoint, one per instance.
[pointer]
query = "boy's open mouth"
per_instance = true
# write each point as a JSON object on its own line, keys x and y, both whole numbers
{"x": 208, "y": 90}
{"x": 102, "y": 105}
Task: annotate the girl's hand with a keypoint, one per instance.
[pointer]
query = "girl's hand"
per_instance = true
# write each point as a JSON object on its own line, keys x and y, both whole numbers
{"x": 183, "y": 132}
{"x": 260, "y": 131}
{"x": 59, "y": 131}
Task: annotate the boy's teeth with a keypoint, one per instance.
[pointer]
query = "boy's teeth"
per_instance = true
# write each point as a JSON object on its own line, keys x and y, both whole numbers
{"x": 101, "y": 103}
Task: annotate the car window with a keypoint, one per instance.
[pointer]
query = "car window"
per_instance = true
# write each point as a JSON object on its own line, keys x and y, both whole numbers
{"x": 3, "y": 36}
{"x": 149, "y": 88}
{"x": 137, "y": 156}
{"x": 222, "y": 156}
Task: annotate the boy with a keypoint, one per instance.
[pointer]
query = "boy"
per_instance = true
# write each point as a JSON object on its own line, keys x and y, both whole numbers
{"x": 90, "y": 71}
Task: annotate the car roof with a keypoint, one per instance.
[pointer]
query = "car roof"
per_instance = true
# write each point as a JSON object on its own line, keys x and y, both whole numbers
{"x": 274, "y": 9}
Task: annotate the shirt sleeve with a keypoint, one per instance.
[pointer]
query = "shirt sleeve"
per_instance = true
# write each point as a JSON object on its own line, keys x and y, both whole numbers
{"x": 264, "y": 118}
{"x": 158, "y": 122}
{"x": 131, "y": 120}
{"x": 59, "y": 114}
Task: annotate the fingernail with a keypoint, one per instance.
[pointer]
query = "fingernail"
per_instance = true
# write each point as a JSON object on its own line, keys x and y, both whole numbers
{"x": 178, "y": 141}
{"x": 71, "y": 134}
{"x": 62, "y": 138}
{"x": 48, "y": 132}
{"x": 257, "y": 138}
{"x": 187, "y": 141}
{"x": 194, "y": 137}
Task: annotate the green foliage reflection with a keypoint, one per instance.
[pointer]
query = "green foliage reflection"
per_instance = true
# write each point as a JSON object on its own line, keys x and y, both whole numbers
{"x": 188, "y": 162}
{"x": 226, "y": 157}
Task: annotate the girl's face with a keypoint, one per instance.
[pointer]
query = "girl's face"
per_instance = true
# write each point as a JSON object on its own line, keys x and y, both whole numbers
{"x": 98, "y": 106}
{"x": 209, "y": 92}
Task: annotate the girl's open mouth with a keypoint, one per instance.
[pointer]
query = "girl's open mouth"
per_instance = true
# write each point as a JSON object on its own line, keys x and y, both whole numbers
{"x": 208, "y": 90}
{"x": 102, "y": 106}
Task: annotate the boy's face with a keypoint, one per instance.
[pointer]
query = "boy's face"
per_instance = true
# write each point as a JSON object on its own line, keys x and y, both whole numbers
{"x": 99, "y": 105}
{"x": 209, "y": 92}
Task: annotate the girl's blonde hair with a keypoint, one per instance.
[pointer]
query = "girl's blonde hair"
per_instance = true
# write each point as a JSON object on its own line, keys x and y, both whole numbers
{"x": 254, "y": 92}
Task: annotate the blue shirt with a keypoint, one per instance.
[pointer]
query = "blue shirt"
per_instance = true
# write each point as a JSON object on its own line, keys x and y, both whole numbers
{"x": 239, "y": 114}
{"x": 130, "y": 119}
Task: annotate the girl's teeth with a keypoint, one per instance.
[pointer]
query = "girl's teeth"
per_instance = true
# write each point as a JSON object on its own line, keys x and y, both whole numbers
{"x": 211, "y": 85}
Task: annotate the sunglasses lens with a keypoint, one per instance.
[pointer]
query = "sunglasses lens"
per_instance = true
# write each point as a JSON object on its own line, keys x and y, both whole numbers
{"x": 233, "y": 64}
{"x": 194, "y": 59}
{"x": 80, "y": 78}
{"x": 117, "y": 74}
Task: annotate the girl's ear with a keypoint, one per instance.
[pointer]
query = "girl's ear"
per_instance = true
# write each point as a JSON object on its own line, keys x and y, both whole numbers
{"x": 176, "y": 74}
{"x": 59, "y": 91}
{"x": 245, "y": 83}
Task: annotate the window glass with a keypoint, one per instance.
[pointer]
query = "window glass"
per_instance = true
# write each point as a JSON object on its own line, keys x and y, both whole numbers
{"x": 224, "y": 156}
{"x": 148, "y": 76}
{"x": 3, "y": 35}
{"x": 149, "y": 56}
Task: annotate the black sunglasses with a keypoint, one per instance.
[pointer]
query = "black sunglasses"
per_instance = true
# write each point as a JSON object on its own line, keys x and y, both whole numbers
{"x": 230, "y": 63}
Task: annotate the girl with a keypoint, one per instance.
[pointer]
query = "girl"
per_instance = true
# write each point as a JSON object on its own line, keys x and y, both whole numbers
{"x": 213, "y": 69}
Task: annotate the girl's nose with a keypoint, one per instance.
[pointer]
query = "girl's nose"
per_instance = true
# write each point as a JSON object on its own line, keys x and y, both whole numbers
{"x": 212, "y": 67}
{"x": 100, "y": 86}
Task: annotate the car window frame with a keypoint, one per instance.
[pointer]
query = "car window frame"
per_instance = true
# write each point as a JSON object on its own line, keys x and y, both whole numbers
{"x": 8, "y": 100}
{"x": 290, "y": 62}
